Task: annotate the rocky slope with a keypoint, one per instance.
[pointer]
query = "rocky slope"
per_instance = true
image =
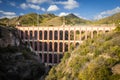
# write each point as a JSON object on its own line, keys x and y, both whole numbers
{"x": 95, "y": 59}
{"x": 17, "y": 62}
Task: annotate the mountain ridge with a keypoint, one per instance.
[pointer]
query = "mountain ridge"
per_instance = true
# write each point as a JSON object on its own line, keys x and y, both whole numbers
{"x": 44, "y": 20}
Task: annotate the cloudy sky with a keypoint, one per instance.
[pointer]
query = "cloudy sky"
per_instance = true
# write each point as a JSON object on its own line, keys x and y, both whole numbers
{"x": 87, "y": 9}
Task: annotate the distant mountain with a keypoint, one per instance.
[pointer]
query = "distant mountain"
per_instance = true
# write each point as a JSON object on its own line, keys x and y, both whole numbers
{"x": 73, "y": 19}
{"x": 109, "y": 20}
{"x": 43, "y": 20}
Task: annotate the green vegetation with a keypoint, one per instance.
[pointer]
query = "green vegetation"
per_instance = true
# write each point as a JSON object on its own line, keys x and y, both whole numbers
{"x": 33, "y": 19}
{"x": 109, "y": 20}
{"x": 94, "y": 59}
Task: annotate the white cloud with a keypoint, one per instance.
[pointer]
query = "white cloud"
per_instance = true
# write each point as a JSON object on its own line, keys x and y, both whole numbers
{"x": 12, "y": 4}
{"x": 70, "y": 4}
{"x": 36, "y": 7}
{"x": 32, "y": 6}
{"x": 24, "y": 6}
{"x": 107, "y": 13}
{"x": 43, "y": 9}
{"x": 52, "y": 8}
{"x": 63, "y": 14}
{"x": 7, "y": 14}
{"x": 37, "y": 1}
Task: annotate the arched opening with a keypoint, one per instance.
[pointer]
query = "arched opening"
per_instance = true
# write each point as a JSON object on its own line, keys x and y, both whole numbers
{"x": 88, "y": 34}
{"x": 45, "y": 58}
{"x": 50, "y": 46}
{"x": 77, "y": 37}
{"x": 66, "y": 35}
{"x": 71, "y": 35}
{"x": 45, "y": 35}
{"x": 31, "y": 35}
{"x": 55, "y": 46}
{"x": 35, "y": 46}
{"x": 71, "y": 46}
{"x": 55, "y": 35}
{"x": 55, "y": 58}
{"x": 21, "y": 34}
{"x": 50, "y": 35}
{"x": 107, "y": 31}
{"x": 35, "y": 35}
{"x": 40, "y": 46}
{"x": 82, "y": 35}
{"x": 26, "y": 34}
{"x": 60, "y": 57}
{"x": 77, "y": 44}
{"x": 66, "y": 47}
{"x": 45, "y": 46}
{"x": 60, "y": 46}
{"x": 95, "y": 32}
{"x": 50, "y": 58}
{"x": 40, "y": 35}
{"x": 40, "y": 55}
{"x": 31, "y": 44}
{"x": 61, "y": 35}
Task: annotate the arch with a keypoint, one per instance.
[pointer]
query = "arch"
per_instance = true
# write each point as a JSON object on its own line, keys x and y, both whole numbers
{"x": 55, "y": 35}
{"x": 21, "y": 34}
{"x": 26, "y": 34}
{"x": 77, "y": 37}
{"x": 77, "y": 44}
{"x": 50, "y": 35}
{"x": 45, "y": 58}
{"x": 40, "y": 46}
{"x": 40, "y": 55}
{"x": 82, "y": 32}
{"x": 88, "y": 34}
{"x": 107, "y": 31}
{"x": 94, "y": 32}
{"x": 66, "y": 35}
{"x": 72, "y": 35}
{"x": 60, "y": 46}
{"x": 31, "y": 33}
{"x": 40, "y": 35}
{"x": 66, "y": 47}
{"x": 50, "y": 46}
{"x": 61, "y": 35}
{"x": 71, "y": 46}
{"x": 35, "y": 43}
{"x": 35, "y": 35}
{"x": 50, "y": 58}
{"x": 55, "y": 46}
{"x": 45, "y": 35}
{"x": 31, "y": 44}
{"x": 45, "y": 46}
{"x": 55, "y": 58}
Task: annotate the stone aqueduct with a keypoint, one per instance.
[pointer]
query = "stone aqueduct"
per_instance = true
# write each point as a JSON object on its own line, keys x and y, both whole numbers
{"x": 51, "y": 42}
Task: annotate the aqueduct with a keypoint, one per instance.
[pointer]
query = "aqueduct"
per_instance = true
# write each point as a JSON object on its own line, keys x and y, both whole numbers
{"x": 51, "y": 42}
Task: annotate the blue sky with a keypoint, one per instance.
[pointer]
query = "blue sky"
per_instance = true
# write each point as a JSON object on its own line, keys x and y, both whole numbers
{"x": 87, "y": 9}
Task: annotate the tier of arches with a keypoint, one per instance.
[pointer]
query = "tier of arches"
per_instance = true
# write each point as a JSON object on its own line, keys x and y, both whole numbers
{"x": 51, "y": 46}
{"x": 59, "y": 35}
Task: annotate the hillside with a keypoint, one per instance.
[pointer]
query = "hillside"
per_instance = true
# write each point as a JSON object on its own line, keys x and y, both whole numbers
{"x": 95, "y": 59}
{"x": 43, "y": 20}
{"x": 109, "y": 20}
{"x": 17, "y": 62}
